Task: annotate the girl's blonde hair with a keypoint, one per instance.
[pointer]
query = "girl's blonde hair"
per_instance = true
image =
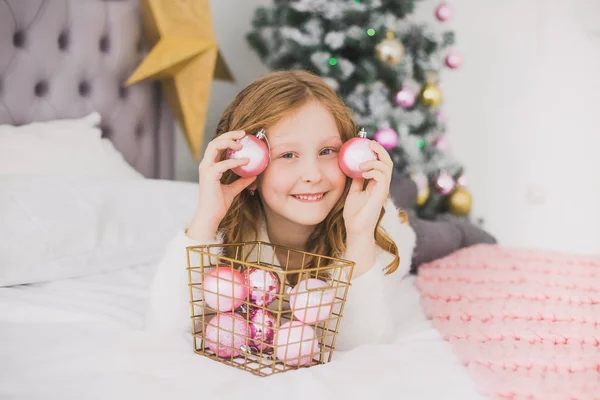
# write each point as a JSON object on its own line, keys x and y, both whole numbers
{"x": 262, "y": 104}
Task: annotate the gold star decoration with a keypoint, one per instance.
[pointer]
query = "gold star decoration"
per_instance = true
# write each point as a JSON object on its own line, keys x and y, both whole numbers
{"x": 185, "y": 57}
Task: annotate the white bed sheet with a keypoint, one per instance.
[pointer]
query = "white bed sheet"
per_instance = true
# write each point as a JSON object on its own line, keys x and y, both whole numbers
{"x": 83, "y": 338}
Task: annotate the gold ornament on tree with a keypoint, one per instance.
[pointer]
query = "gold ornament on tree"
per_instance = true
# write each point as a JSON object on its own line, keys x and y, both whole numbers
{"x": 422, "y": 183}
{"x": 431, "y": 95}
{"x": 390, "y": 51}
{"x": 460, "y": 202}
{"x": 422, "y": 196}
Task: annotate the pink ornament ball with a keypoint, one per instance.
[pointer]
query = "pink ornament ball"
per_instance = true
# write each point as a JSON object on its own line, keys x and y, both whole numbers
{"x": 441, "y": 142}
{"x": 453, "y": 60}
{"x": 296, "y": 344}
{"x": 225, "y": 334}
{"x": 225, "y": 288}
{"x": 443, "y": 12}
{"x": 445, "y": 183}
{"x": 353, "y": 153}
{"x": 261, "y": 329}
{"x": 405, "y": 98}
{"x": 256, "y": 151}
{"x": 263, "y": 286}
{"x": 387, "y": 137}
{"x": 311, "y": 300}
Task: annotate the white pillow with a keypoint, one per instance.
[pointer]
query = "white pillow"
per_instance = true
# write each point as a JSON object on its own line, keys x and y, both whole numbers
{"x": 68, "y": 147}
{"x": 60, "y": 227}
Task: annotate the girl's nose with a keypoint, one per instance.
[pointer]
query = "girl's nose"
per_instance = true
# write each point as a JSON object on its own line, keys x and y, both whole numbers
{"x": 311, "y": 170}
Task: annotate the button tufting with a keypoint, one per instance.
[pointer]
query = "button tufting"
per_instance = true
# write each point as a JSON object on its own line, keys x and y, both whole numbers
{"x": 106, "y": 131}
{"x": 123, "y": 92}
{"x": 84, "y": 89}
{"x": 139, "y": 130}
{"x": 140, "y": 46}
{"x": 63, "y": 40}
{"x": 41, "y": 88}
{"x": 19, "y": 39}
{"x": 104, "y": 44}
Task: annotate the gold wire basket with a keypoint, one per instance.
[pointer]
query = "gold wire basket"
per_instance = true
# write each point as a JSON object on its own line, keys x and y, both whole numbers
{"x": 253, "y": 312}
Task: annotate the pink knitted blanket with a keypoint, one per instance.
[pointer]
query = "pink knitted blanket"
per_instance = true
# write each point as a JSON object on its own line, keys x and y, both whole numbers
{"x": 525, "y": 323}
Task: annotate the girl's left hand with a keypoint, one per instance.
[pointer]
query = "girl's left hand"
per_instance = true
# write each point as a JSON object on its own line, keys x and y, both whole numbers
{"x": 362, "y": 207}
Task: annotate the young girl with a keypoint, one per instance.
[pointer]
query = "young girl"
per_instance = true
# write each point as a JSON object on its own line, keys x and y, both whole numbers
{"x": 302, "y": 200}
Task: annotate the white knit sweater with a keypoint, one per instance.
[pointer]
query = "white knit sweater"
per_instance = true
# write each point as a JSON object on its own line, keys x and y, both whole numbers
{"x": 370, "y": 314}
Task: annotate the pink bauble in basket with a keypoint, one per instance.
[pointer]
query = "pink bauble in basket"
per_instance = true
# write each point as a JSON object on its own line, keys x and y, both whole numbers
{"x": 226, "y": 333}
{"x": 261, "y": 328}
{"x": 230, "y": 285}
{"x": 263, "y": 286}
{"x": 295, "y": 343}
{"x": 311, "y": 300}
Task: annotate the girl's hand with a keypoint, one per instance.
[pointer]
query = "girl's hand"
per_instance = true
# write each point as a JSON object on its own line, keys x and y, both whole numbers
{"x": 214, "y": 198}
{"x": 362, "y": 207}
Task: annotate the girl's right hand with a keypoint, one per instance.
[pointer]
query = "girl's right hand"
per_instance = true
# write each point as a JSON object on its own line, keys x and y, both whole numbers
{"x": 215, "y": 198}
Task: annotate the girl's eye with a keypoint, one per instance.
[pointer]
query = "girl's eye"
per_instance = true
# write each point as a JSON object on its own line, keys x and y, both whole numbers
{"x": 328, "y": 151}
{"x": 324, "y": 152}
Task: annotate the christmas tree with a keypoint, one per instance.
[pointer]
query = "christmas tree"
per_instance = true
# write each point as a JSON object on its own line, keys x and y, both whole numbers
{"x": 386, "y": 67}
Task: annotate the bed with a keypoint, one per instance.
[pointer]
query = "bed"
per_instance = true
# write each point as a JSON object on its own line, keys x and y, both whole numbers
{"x": 73, "y": 297}
{"x": 88, "y": 204}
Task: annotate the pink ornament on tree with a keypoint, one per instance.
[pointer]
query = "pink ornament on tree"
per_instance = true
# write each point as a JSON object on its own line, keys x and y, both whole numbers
{"x": 225, "y": 334}
{"x": 453, "y": 60}
{"x": 405, "y": 98}
{"x": 263, "y": 286}
{"x": 462, "y": 181}
{"x": 355, "y": 152}
{"x": 443, "y": 12}
{"x": 261, "y": 329}
{"x": 255, "y": 150}
{"x": 387, "y": 137}
{"x": 311, "y": 300}
{"x": 296, "y": 344}
{"x": 225, "y": 288}
{"x": 445, "y": 183}
{"x": 441, "y": 142}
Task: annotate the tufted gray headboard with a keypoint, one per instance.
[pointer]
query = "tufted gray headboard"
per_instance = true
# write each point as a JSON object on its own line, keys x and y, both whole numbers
{"x": 66, "y": 58}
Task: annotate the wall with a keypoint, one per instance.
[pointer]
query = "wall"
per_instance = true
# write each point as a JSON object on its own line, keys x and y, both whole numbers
{"x": 523, "y": 117}
{"x": 523, "y": 112}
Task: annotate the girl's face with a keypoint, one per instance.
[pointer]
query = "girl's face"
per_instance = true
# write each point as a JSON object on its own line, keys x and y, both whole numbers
{"x": 303, "y": 181}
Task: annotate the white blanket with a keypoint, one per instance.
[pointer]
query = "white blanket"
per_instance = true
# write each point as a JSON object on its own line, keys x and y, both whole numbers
{"x": 82, "y": 339}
